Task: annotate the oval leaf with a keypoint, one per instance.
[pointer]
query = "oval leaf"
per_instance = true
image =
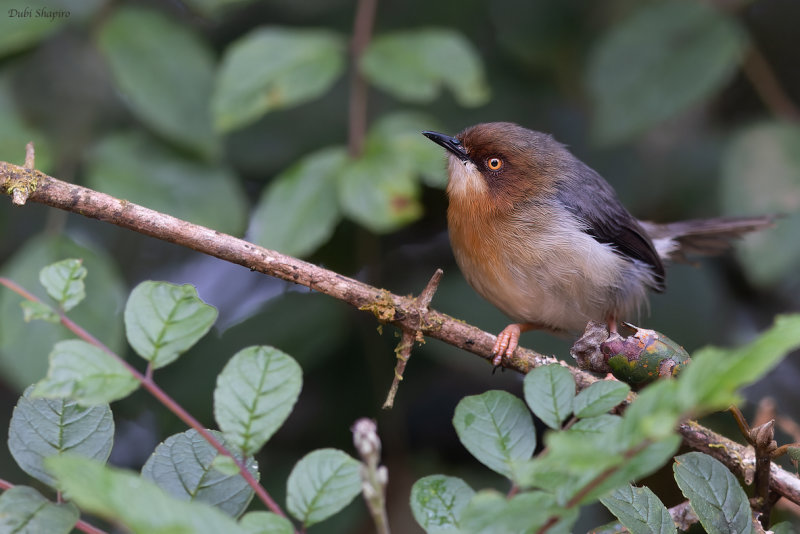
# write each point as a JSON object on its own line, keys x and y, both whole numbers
{"x": 437, "y": 502}
{"x": 24, "y": 510}
{"x": 165, "y": 72}
{"x": 663, "y": 59}
{"x": 273, "y": 68}
{"x": 596, "y": 425}
{"x": 397, "y": 137}
{"x": 183, "y": 466}
{"x": 414, "y": 65}
{"x": 126, "y": 498}
{"x": 255, "y": 393}
{"x": 63, "y": 281}
{"x": 761, "y": 174}
{"x": 299, "y": 210}
{"x": 639, "y": 510}
{"x": 715, "y": 494}
{"x": 136, "y": 167}
{"x": 105, "y": 293}
{"x": 322, "y": 483}
{"x": 549, "y": 391}
{"x": 377, "y": 195}
{"x": 489, "y": 511}
{"x": 497, "y": 429}
{"x": 164, "y": 320}
{"x": 599, "y": 398}
{"x": 86, "y": 374}
{"x": 265, "y": 523}
{"x": 41, "y": 428}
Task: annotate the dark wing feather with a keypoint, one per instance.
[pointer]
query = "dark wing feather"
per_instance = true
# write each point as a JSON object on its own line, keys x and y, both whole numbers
{"x": 589, "y": 197}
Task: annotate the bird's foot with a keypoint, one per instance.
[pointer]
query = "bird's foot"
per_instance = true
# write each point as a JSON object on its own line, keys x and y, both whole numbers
{"x": 507, "y": 342}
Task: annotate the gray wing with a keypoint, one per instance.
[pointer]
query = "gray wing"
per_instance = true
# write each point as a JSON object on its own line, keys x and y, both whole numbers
{"x": 592, "y": 200}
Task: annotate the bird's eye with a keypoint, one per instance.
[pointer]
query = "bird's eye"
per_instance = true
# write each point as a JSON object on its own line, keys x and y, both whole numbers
{"x": 494, "y": 164}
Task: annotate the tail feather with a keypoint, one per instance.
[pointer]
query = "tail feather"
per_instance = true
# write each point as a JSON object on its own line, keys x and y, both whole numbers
{"x": 706, "y": 237}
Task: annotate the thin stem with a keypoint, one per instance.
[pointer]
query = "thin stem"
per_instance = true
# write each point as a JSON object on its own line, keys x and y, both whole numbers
{"x": 149, "y": 384}
{"x": 768, "y": 86}
{"x": 357, "y": 119}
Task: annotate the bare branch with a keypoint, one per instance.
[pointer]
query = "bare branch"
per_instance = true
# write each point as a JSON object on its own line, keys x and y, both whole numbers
{"x": 388, "y": 308}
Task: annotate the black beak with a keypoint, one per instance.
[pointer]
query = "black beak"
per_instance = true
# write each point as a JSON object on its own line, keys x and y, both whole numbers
{"x": 452, "y": 144}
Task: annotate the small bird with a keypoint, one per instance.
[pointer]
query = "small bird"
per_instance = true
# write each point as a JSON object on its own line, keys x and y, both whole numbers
{"x": 544, "y": 238}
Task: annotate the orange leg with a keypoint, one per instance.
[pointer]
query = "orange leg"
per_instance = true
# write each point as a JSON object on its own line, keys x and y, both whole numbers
{"x": 611, "y": 321}
{"x": 507, "y": 341}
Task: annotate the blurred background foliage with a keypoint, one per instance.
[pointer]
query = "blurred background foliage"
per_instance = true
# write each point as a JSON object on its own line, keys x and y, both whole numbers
{"x": 296, "y": 125}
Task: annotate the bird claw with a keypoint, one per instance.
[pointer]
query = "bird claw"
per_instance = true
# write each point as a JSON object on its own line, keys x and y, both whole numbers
{"x": 506, "y": 344}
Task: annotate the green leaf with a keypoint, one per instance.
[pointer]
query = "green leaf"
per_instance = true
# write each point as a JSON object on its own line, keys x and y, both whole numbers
{"x": 396, "y": 136}
{"x": 715, "y": 494}
{"x": 414, "y": 65}
{"x": 24, "y": 510}
{"x": 497, "y": 429}
{"x": 490, "y": 513}
{"x": 125, "y": 498}
{"x": 380, "y": 190}
{"x": 663, "y": 59}
{"x": 322, "y": 483}
{"x": 274, "y": 68}
{"x": 639, "y": 510}
{"x": 165, "y": 72}
{"x": 41, "y": 428}
{"x": 437, "y": 502}
{"x": 136, "y": 167}
{"x": 596, "y": 424}
{"x": 655, "y": 412}
{"x": 761, "y": 174}
{"x": 105, "y": 294}
{"x": 784, "y": 527}
{"x": 38, "y": 311}
{"x": 299, "y": 210}
{"x": 712, "y": 380}
{"x": 86, "y": 374}
{"x": 182, "y": 466}
{"x": 164, "y": 320}
{"x": 377, "y": 195}
{"x": 63, "y": 281}
{"x": 599, "y": 398}
{"x": 265, "y": 523}
{"x": 549, "y": 391}
{"x": 225, "y": 465}
{"x": 255, "y": 393}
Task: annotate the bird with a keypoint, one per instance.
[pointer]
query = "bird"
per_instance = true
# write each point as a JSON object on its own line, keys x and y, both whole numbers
{"x": 545, "y": 238}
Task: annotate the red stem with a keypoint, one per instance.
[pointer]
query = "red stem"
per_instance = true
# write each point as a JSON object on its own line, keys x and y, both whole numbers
{"x": 148, "y": 383}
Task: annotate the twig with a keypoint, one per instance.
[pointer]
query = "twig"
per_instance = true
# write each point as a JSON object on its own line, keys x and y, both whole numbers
{"x": 387, "y": 307}
{"x": 765, "y": 447}
{"x": 768, "y": 87}
{"x": 357, "y": 119}
{"x": 403, "y": 349}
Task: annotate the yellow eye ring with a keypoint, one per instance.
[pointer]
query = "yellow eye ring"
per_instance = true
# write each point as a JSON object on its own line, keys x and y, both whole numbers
{"x": 494, "y": 164}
